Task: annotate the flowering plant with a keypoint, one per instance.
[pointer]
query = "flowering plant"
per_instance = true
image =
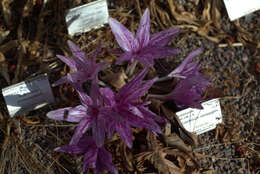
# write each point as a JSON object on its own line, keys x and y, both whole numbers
{"x": 143, "y": 47}
{"x": 103, "y": 111}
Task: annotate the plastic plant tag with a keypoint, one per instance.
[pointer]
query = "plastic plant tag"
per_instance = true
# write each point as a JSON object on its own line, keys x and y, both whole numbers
{"x": 239, "y": 8}
{"x": 86, "y": 17}
{"x": 28, "y": 95}
{"x": 200, "y": 121}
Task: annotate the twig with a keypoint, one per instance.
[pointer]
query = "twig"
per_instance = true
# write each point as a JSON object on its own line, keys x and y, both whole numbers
{"x": 238, "y": 44}
{"x": 165, "y": 78}
{"x": 139, "y": 8}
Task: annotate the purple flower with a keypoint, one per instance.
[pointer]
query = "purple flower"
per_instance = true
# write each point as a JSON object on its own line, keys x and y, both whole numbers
{"x": 126, "y": 109}
{"x": 106, "y": 112}
{"x": 87, "y": 115}
{"x": 188, "y": 91}
{"x": 95, "y": 157}
{"x": 84, "y": 67}
{"x": 143, "y": 47}
{"x": 187, "y": 67}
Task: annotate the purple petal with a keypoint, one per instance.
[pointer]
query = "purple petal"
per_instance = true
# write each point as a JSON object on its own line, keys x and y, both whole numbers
{"x": 146, "y": 122}
{"x": 124, "y": 131}
{"x": 157, "y": 53}
{"x": 69, "y": 78}
{"x": 124, "y": 37}
{"x": 94, "y": 93}
{"x": 80, "y": 130}
{"x": 73, "y": 114}
{"x": 105, "y": 162}
{"x": 72, "y": 149}
{"x": 162, "y": 38}
{"x": 60, "y": 81}
{"x": 96, "y": 68}
{"x": 90, "y": 159}
{"x": 187, "y": 67}
{"x": 109, "y": 96}
{"x": 130, "y": 87}
{"x": 77, "y": 52}
{"x": 188, "y": 91}
{"x": 134, "y": 110}
{"x": 143, "y": 32}
{"x": 146, "y": 60}
{"x": 141, "y": 90}
{"x": 145, "y": 111}
{"x": 98, "y": 131}
{"x": 69, "y": 61}
{"x": 126, "y": 56}
{"x": 84, "y": 98}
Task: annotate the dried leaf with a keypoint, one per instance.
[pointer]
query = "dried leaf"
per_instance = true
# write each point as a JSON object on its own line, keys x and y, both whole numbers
{"x": 28, "y": 121}
{"x": 227, "y": 133}
{"x": 127, "y": 157}
{"x": 187, "y": 136}
{"x": 175, "y": 141}
{"x": 161, "y": 16}
{"x": 4, "y": 72}
{"x": 181, "y": 15}
{"x": 117, "y": 80}
{"x": 216, "y": 12}
{"x": 209, "y": 172}
{"x": 7, "y": 11}
{"x": 27, "y": 9}
{"x": 9, "y": 45}
{"x": 3, "y": 35}
{"x": 164, "y": 165}
{"x": 246, "y": 37}
{"x": 2, "y": 57}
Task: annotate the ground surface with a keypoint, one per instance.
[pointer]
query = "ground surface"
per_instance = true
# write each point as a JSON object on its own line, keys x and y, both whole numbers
{"x": 31, "y": 36}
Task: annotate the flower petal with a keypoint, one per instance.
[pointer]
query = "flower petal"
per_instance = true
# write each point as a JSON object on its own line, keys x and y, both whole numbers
{"x": 187, "y": 67}
{"x": 157, "y": 52}
{"x": 80, "y": 130}
{"x": 162, "y": 38}
{"x": 145, "y": 111}
{"x": 94, "y": 93}
{"x": 69, "y": 61}
{"x": 124, "y": 131}
{"x": 188, "y": 91}
{"x": 130, "y": 87}
{"x": 98, "y": 131}
{"x": 109, "y": 96}
{"x": 126, "y": 56}
{"x": 72, "y": 149}
{"x": 124, "y": 37}
{"x": 90, "y": 158}
{"x": 143, "y": 32}
{"x": 77, "y": 52}
{"x": 73, "y": 114}
{"x": 105, "y": 161}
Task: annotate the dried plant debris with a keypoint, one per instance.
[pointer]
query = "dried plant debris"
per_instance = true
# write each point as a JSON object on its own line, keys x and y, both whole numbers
{"x": 176, "y": 158}
{"x": 203, "y": 17}
{"x": 33, "y": 32}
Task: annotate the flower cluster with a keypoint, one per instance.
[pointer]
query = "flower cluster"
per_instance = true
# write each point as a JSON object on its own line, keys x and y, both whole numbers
{"x": 192, "y": 85}
{"x": 103, "y": 111}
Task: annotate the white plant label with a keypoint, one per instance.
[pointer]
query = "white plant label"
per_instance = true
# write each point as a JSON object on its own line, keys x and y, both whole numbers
{"x": 239, "y": 8}
{"x": 200, "y": 121}
{"x": 28, "y": 95}
{"x": 86, "y": 17}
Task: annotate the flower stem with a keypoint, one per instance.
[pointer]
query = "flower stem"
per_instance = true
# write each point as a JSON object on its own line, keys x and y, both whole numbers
{"x": 158, "y": 96}
{"x": 165, "y": 78}
{"x": 131, "y": 68}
